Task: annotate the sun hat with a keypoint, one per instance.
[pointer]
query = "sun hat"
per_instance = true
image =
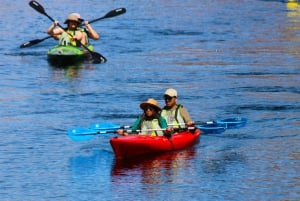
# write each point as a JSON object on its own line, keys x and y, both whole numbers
{"x": 171, "y": 92}
{"x": 74, "y": 17}
{"x": 150, "y": 102}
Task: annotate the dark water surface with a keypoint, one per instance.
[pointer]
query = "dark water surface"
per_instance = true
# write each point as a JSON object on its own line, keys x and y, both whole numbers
{"x": 226, "y": 58}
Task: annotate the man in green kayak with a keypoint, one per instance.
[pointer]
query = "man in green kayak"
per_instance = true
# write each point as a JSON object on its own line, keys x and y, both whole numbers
{"x": 73, "y": 35}
{"x": 175, "y": 114}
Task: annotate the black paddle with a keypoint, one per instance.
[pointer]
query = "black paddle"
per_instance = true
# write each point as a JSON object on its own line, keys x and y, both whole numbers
{"x": 33, "y": 42}
{"x": 112, "y": 13}
{"x": 97, "y": 57}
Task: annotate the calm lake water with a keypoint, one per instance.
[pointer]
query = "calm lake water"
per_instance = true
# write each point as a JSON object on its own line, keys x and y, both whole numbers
{"x": 226, "y": 58}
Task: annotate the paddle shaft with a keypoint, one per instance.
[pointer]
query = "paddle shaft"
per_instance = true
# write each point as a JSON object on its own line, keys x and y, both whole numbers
{"x": 105, "y": 130}
{"x": 149, "y": 130}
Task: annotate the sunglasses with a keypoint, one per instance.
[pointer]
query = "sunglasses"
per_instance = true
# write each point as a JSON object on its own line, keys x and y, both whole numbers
{"x": 72, "y": 21}
{"x": 148, "y": 108}
{"x": 168, "y": 98}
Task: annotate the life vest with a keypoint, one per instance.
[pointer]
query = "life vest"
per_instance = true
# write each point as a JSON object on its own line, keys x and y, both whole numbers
{"x": 173, "y": 117}
{"x": 151, "y": 124}
{"x": 66, "y": 37}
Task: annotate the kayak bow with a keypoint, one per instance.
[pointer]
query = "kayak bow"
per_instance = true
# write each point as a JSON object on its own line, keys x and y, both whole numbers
{"x": 68, "y": 55}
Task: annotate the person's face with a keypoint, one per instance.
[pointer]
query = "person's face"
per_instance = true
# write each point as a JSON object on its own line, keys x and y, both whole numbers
{"x": 72, "y": 24}
{"x": 170, "y": 101}
{"x": 148, "y": 111}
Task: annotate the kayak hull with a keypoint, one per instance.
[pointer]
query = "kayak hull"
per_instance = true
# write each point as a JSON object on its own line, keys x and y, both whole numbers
{"x": 138, "y": 145}
{"x": 68, "y": 55}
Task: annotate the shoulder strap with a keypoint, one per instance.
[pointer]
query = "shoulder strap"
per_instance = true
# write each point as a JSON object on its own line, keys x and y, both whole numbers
{"x": 176, "y": 112}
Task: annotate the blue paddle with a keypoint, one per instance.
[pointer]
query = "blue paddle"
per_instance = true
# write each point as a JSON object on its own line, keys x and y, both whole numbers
{"x": 209, "y": 127}
{"x": 220, "y": 126}
{"x": 233, "y": 123}
{"x": 81, "y": 134}
{"x": 212, "y": 127}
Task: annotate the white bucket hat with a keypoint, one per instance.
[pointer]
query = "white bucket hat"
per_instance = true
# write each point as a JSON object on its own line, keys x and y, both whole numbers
{"x": 74, "y": 17}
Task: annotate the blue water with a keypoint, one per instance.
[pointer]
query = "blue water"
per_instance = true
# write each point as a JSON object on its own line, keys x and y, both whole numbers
{"x": 225, "y": 58}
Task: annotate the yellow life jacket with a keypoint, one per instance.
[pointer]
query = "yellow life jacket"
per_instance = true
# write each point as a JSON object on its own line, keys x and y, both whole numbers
{"x": 66, "y": 37}
{"x": 151, "y": 124}
{"x": 173, "y": 117}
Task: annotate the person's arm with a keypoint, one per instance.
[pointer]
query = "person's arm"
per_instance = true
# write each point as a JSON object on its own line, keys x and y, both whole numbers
{"x": 134, "y": 127}
{"x": 186, "y": 116}
{"x": 91, "y": 32}
{"x": 136, "y": 124}
{"x": 53, "y": 31}
{"x": 163, "y": 122}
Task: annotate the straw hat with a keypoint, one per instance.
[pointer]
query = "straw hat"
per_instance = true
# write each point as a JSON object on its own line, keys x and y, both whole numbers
{"x": 150, "y": 102}
{"x": 74, "y": 17}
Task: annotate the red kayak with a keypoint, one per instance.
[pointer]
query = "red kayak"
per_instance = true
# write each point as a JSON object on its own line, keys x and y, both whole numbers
{"x": 137, "y": 145}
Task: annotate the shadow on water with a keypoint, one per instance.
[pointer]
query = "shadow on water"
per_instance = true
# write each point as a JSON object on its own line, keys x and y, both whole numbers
{"x": 160, "y": 168}
{"x": 89, "y": 163}
{"x": 27, "y": 53}
{"x": 223, "y": 158}
{"x": 70, "y": 71}
{"x": 260, "y": 107}
{"x": 163, "y": 168}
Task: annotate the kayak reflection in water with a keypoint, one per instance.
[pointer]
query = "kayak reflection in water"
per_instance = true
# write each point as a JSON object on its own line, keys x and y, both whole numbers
{"x": 73, "y": 35}
{"x": 150, "y": 122}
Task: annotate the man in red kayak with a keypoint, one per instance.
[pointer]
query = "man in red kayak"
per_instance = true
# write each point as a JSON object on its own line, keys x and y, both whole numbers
{"x": 175, "y": 114}
{"x": 73, "y": 32}
{"x": 150, "y": 122}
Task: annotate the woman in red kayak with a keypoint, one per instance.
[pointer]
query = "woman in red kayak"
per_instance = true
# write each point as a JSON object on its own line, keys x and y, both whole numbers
{"x": 73, "y": 33}
{"x": 150, "y": 122}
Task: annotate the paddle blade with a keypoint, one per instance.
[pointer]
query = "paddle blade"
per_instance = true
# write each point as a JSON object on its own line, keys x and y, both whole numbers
{"x": 105, "y": 126}
{"x": 33, "y": 42}
{"x": 112, "y": 13}
{"x": 81, "y": 134}
{"x": 38, "y": 7}
{"x": 98, "y": 58}
{"x": 30, "y": 43}
{"x": 235, "y": 122}
{"x": 116, "y": 12}
{"x": 212, "y": 128}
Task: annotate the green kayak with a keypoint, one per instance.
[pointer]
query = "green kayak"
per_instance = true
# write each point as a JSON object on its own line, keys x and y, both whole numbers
{"x": 68, "y": 55}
